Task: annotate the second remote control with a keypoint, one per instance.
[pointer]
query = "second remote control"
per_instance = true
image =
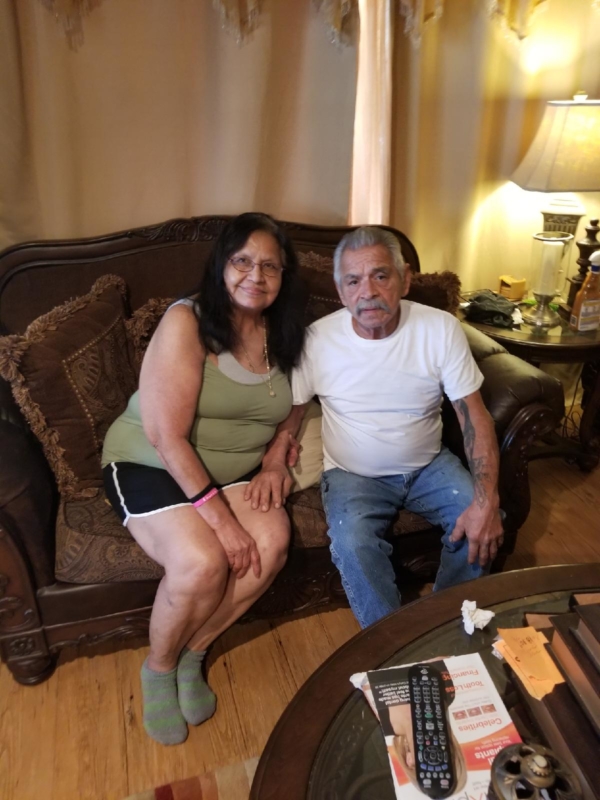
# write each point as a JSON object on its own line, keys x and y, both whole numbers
{"x": 434, "y": 765}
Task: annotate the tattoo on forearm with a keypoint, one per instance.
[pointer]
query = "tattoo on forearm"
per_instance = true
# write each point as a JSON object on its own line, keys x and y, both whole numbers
{"x": 481, "y": 477}
{"x": 478, "y": 465}
{"x": 462, "y": 409}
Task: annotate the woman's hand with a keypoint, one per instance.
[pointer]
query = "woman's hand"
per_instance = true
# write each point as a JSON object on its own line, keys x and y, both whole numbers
{"x": 271, "y": 485}
{"x": 240, "y": 548}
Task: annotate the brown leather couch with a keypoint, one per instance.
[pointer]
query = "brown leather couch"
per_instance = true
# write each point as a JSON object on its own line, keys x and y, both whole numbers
{"x": 40, "y": 614}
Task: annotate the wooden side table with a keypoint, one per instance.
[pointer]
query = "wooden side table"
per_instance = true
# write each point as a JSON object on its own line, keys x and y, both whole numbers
{"x": 560, "y": 345}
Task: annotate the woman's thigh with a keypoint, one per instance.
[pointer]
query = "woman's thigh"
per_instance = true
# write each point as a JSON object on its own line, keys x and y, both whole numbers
{"x": 268, "y": 528}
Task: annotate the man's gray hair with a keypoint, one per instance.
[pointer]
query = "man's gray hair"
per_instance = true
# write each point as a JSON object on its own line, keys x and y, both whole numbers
{"x": 367, "y": 236}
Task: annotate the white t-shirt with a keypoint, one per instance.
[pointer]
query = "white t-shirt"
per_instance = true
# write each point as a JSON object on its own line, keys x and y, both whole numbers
{"x": 381, "y": 398}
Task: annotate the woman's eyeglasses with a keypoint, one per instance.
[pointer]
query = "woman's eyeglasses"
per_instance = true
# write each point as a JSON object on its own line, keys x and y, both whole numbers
{"x": 245, "y": 264}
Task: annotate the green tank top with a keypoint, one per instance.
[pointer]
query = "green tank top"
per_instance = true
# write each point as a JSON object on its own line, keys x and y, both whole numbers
{"x": 234, "y": 423}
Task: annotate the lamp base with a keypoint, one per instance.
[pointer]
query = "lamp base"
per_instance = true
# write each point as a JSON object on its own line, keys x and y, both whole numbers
{"x": 563, "y": 213}
{"x": 541, "y": 315}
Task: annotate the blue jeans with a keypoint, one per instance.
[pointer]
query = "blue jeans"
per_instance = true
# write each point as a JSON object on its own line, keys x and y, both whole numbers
{"x": 359, "y": 513}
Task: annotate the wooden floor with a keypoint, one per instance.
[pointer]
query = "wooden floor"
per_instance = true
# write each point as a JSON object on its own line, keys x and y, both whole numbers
{"x": 79, "y": 735}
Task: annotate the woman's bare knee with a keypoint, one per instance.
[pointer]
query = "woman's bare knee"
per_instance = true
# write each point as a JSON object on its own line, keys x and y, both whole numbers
{"x": 197, "y": 572}
{"x": 273, "y": 540}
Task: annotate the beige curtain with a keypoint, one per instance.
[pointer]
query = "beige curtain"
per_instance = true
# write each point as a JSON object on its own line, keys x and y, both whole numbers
{"x": 466, "y": 105}
{"x": 160, "y": 113}
{"x": 371, "y": 160}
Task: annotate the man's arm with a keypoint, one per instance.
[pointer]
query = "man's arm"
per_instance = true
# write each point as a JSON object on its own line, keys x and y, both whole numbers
{"x": 480, "y": 522}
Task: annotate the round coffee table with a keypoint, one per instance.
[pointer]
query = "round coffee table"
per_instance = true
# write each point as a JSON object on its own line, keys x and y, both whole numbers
{"x": 327, "y": 743}
{"x": 561, "y": 345}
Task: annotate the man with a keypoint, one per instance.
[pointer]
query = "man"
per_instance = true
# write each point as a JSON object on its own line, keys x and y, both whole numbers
{"x": 380, "y": 367}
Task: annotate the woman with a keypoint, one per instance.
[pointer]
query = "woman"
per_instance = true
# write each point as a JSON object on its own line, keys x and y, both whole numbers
{"x": 177, "y": 463}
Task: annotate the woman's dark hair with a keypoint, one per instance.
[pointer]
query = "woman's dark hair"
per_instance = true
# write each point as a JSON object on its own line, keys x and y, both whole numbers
{"x": 285, "y": 315}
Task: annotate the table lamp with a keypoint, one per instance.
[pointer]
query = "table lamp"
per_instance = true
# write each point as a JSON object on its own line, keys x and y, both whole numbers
{"x": 565, "y": 157}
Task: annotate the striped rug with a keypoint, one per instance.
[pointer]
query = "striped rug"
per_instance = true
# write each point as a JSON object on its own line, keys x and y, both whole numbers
{"x": 228, "y": 783}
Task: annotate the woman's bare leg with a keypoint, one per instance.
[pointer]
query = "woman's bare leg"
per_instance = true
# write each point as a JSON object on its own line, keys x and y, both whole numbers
{"x": 271, "y": 532}
{"x": 196, "y": 572}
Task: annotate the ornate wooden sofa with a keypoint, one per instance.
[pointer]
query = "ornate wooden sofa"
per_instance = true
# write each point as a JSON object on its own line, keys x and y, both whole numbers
{"x": 69, "y": 573}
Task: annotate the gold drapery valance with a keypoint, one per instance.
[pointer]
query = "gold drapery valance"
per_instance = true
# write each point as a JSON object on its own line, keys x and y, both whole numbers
{"x": 241, "y": 17}
{"x": 338, "y": 17}
{"x": 417, "y": 13}
{"x": 515, "y": 15}
{"x": 70, "y": 14}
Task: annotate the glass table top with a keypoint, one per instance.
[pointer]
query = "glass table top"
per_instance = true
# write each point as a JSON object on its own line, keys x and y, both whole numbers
{"x": 558, "y": 335}
{"x": 352, "y": 762}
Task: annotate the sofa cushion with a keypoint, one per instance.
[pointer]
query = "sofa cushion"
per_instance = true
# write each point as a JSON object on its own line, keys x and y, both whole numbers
{"x": 72, "y": 373}
{"x": 309, "y": 467}
{"x": 92, "y": 546}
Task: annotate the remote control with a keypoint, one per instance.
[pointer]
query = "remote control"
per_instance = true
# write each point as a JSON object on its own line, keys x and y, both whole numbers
{"x": 434, "y": 765}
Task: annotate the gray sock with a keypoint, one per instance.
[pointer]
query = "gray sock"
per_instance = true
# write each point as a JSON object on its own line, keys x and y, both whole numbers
{"x": 196, "y": 701}
{"x": 163, "y": 719}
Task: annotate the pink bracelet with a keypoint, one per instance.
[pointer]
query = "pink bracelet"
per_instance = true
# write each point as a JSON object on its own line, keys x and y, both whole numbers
{"x": 206, "y": 498}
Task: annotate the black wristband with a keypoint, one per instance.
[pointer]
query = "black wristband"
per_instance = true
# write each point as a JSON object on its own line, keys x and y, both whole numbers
{"x": 204, "y": 491}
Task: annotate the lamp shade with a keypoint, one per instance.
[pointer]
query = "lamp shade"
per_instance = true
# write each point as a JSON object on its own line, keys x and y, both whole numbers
{"x": 565, "y": 154}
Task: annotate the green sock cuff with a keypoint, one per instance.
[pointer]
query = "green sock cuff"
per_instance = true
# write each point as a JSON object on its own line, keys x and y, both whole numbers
{"x": 195, "y": 656}
{"x": 153, "y": 674}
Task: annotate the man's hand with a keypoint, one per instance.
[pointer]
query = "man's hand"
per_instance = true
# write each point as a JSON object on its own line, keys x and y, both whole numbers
{"x": 240, "y": 547}
{"x": 482, "y": 526}
{"x": 271, "y": 485}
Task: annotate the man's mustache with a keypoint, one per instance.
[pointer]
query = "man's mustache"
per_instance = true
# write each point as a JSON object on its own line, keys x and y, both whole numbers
{"x": 372, "y": 305}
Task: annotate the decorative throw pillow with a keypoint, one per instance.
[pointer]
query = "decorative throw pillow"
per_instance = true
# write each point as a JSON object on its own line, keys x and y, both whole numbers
{"x": 143, "y": 322}
{"x": 72, "y": 373}
{"x": 437, "y": 289}
{"x": 309, "y": 467}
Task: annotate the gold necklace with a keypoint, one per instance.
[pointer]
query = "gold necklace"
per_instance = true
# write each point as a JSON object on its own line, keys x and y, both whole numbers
{"x": 266, "y": 360}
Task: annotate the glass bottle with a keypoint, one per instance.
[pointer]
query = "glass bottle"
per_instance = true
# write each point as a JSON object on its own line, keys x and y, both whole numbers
{"x": 585, "y": 314}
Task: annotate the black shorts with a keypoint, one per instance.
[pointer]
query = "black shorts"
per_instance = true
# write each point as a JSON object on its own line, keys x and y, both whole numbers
{"x": 135, "y": 490}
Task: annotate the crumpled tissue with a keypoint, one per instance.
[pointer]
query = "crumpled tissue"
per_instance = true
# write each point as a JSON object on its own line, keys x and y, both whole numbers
{"x": 474, "y": 617}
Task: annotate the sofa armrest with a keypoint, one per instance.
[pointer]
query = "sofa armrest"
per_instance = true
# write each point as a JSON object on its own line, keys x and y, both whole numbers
{"x": 27, "y": 491}
{"x": 511, "y": 383}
